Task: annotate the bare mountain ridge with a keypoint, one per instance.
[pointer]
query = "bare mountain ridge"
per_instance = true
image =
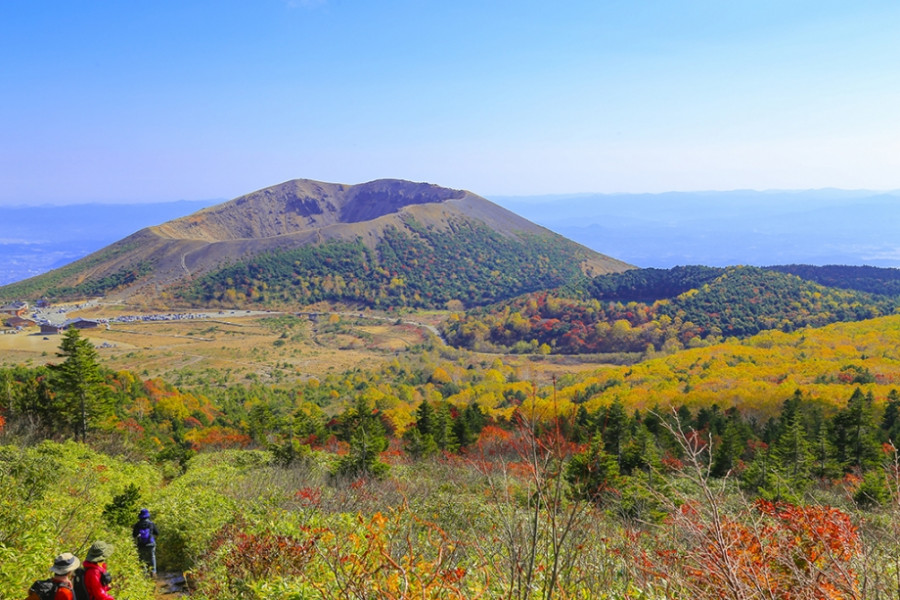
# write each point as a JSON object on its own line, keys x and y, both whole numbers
{"x": 301, "y": 205}
{"x": 286, "y": 216}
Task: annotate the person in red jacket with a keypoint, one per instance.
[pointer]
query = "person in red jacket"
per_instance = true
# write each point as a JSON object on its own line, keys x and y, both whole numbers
{"x": 96, "y": 577}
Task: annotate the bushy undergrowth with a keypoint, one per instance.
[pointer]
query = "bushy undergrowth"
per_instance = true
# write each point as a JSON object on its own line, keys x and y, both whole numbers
{"x": 504, "y": 520}
{"x": 52, "y": 500}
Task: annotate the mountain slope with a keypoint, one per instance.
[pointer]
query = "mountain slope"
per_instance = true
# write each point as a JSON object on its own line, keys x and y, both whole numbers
{"x": 645, "y": 310}
{"x": 385, "y": 223}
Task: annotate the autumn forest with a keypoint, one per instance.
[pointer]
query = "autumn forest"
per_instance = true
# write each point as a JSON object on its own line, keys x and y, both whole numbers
{"x": 694, "y": 432}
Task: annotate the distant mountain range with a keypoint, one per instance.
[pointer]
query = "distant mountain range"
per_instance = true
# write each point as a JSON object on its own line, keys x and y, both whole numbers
{"x": 383, "y": 243}
{"x": 816, "y": 227}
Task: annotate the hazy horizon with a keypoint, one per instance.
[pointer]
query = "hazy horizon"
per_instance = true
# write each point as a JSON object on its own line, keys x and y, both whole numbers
{"x": 843, "y": 193}
{"x": 850, "y": 227}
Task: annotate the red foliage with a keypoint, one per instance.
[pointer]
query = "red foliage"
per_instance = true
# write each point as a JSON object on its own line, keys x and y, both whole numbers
{"x": 309, "y": 497}
{"x": 792, "y": 552}
{"x": 493, "y": 440}
{"x": 220, "y": 438}
{"x": 130, "y": 425}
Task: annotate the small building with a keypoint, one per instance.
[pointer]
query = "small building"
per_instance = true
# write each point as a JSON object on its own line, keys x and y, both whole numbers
{"x": 20, "y": 322}
{"x": 50, "y": 328}
{"x": 16, "y": 309}
{"x": 80, "y": 323}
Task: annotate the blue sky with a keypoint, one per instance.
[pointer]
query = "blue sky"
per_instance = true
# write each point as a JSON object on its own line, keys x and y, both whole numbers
{"x": 139, "y": 101}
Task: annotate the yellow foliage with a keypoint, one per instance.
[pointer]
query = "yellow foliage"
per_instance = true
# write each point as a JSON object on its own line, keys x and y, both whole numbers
{"x": 439, "y": 376}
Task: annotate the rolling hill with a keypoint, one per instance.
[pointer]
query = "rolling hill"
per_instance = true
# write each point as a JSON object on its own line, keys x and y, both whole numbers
{"x": 645, "y": 310}
{"x": 383, "y": 243}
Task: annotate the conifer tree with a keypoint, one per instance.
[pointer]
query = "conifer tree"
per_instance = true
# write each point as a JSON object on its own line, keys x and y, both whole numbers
{"x": 728, "y": 451}
{"x": 418, "y": 445}
{"x": 79, "y": 384}
{"x": 640, "y": 453}
{"x": 368, "y": 440}
{"x": 444, "y": 435}
{"x": 592, "y": 472}
{"x": 615, "y": 429}
{"x": 853, "y": 433}
{"x": 582, "y": 428}
{"x": 793, "y": 454}
{"x": 425, "y": 420}
{"x": 475, "y": 418}
{"x": 890, "y": 421}
{"x": 462, "y": 433}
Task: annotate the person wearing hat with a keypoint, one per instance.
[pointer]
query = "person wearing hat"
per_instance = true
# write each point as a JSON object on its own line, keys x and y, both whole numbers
{"x": 63, "y": 567}
{"x": 96, "y": 577}
{"x": 145, "y": 533}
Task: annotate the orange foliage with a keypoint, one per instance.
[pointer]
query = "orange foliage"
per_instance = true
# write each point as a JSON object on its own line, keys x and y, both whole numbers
{"x": 217, "y": 438}
{"x": 493, "y": 440}
{"x": 791, "y": 552}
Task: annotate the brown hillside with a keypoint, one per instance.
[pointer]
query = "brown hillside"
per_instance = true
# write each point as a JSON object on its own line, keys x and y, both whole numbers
{"x": 293, "y": 214}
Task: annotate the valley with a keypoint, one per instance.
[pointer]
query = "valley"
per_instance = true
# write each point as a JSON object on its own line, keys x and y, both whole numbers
{"x": 235, "y": 347}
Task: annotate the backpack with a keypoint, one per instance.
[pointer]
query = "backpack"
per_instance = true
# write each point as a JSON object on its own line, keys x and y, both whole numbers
{"x": 145, "y": 535}
{"x": 43, "y": 589}
{"x": 78, "y": 586}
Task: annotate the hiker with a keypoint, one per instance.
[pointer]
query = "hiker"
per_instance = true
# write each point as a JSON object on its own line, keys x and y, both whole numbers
{"x": 59, "y": 587}
{"x": 96, "y": 577}
{"x": 145, "y": 533}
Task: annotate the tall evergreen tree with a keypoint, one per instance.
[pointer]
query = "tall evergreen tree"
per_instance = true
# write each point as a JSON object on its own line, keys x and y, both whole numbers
{"x": 728, "y": 451}
{"x": 368, "y": 440}
{"x": 425, "y": 421}
{"x": 475, "y": 418}
{"x": 853, "y": 432}
{"x": 890, "y": 421}
{"x": 793, "y": 453}
{"x": 593, "y": 472}
{"x": 444, "y": 435}
{"x": 79, "y": 383}
{"x": 615, "y": 429}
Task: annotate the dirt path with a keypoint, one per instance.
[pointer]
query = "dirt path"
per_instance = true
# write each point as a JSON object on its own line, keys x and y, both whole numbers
{"x": 169, "y": 585}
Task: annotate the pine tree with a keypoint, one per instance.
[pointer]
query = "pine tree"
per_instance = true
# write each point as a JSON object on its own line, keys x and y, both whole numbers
{"x": 425, "y": 421}
{"x": 853, "y": 433}
{"x": 728, "y": 451}
{"x": 593, "y": 472}
{"x": 444, "y": 435}
{"x": 615, "y": 429}
{"x": 368, "y": 440}
{"x": 793, "y": 453}
{"x": 583, "y": 426}
{"x": 79, "y": 383}
{"x": 475, "y": 419}
{"x": 890, "y": 421}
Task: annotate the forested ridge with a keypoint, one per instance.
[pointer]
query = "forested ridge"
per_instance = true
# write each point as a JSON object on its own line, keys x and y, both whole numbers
{"x": 875, "y": 280}
{"x": 419, "y": 267}
{"x": 649, "y": 310}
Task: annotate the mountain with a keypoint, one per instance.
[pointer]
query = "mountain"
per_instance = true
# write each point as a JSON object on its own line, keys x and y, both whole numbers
{"x": 383, "y": 243}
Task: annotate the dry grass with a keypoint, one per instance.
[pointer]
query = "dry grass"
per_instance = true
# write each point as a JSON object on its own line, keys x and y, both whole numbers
{"x": 275, "y": 348}
{"x": 268, "y": 348}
